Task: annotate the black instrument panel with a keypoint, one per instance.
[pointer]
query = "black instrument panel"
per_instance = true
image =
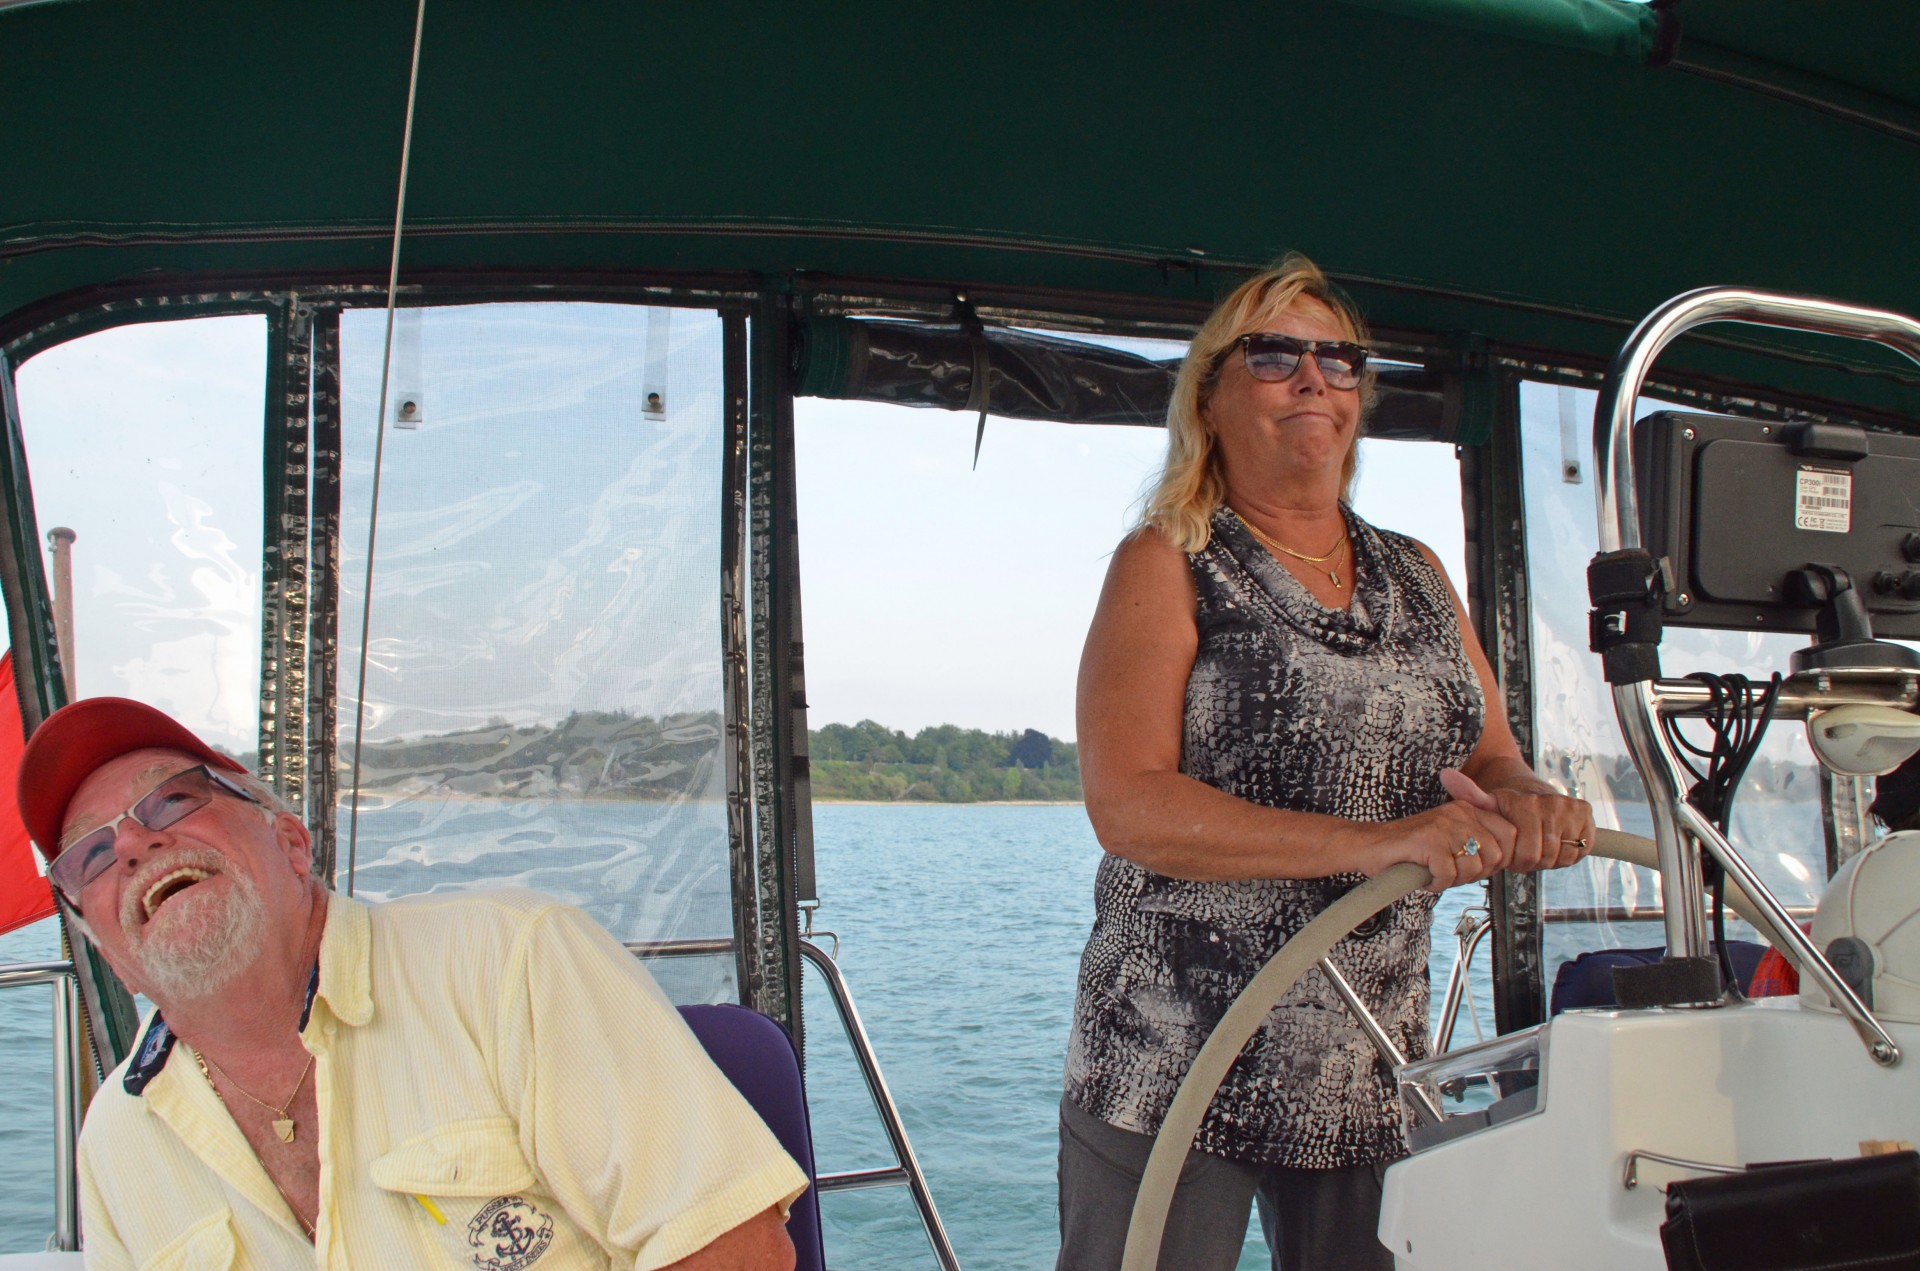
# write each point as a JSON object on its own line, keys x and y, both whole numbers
{"x": 1739, "y": 505}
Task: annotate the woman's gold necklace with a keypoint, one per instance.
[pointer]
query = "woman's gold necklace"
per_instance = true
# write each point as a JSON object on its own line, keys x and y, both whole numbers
{"x": 283, "y": 1119}
{"x": 1333, "y": 571}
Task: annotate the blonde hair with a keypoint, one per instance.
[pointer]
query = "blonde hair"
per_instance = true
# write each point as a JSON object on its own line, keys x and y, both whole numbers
{"x": 1191, "y": 485}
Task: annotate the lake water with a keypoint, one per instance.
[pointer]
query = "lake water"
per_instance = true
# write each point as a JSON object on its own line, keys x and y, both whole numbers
{"x": 961, "y": 929}
{"x": 960, "y": 932}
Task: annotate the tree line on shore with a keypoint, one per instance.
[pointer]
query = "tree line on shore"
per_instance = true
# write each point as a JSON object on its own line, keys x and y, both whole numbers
{"x": 614, "y": 755}
{"x": 944, "y": 764}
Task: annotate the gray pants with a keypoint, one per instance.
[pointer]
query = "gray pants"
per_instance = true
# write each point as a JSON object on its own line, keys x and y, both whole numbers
{"x": 1314, "y": 1220}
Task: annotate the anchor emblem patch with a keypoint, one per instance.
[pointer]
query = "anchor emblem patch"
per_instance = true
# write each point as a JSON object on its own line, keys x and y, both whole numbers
{"x": 508, "y": 1234}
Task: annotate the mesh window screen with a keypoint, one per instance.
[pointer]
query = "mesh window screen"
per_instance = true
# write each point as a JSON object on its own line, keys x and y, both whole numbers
{"x": 543, "y": 691}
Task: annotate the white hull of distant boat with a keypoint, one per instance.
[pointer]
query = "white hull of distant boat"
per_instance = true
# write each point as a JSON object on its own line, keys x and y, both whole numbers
{"x": 1573, "y": 1183}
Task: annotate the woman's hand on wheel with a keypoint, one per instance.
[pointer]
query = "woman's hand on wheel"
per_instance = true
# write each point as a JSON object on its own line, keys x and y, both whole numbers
{"x": 1551, "y": 830}
{"x": 1458, "y": 842}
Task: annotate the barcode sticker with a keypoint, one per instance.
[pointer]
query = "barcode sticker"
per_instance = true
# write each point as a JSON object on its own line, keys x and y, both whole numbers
{"x": 1823, "y": 500}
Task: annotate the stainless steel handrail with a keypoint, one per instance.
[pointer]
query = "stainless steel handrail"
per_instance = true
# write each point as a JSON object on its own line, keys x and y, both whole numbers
{"x": 66, "y": 1088}
{"x": 679, "y": 948}
{"x": 1470, "y": 932}
{"x": 1630, "y": 1179}
{"x": 1378, "y": 1035}
{"x": 1802, "y": 695}
{"x": 1473, "y": 930}
{"x": 1780, "y": 929}
{"x": 1637, "y": 705}
{"x": 909, "y": 1164}
{"x": 907, "y": 1169}
{"x": 854, "y": 1180}
{"x": 19, "y": 975}
{"x": 1653, "y": 913}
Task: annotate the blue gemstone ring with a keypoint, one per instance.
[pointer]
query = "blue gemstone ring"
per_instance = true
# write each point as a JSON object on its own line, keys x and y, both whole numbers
{"x": 1469, "y": 848}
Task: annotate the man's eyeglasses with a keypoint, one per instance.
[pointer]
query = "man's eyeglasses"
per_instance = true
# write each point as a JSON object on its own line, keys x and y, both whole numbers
{"x": 1274, "y": 357}
{"x": 174, "y": 799}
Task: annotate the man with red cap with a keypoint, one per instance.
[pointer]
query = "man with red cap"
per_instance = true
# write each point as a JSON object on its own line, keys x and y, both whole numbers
{"x": 484, "y": 1081}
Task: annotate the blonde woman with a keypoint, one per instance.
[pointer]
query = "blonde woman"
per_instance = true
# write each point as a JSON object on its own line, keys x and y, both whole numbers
{"x": 1276, "y": 699}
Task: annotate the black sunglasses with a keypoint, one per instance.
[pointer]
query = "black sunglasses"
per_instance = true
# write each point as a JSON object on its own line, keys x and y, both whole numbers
{"x": 1274, "y": 357}
{"x": 173, "y": 800}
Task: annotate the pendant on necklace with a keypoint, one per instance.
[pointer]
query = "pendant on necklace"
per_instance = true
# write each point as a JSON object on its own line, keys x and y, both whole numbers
{"x": 284, "y": 1128}
{"x": 1334, "y": 574}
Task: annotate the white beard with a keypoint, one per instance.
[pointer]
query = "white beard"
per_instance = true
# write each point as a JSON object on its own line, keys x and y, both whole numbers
{"x": 198, "y": 944}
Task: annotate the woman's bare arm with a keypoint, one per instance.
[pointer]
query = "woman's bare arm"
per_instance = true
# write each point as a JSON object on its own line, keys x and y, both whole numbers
{"x": 1132, "y": 694}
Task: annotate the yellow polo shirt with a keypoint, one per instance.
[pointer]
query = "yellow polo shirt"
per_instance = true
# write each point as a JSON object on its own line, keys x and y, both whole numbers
{"x": 501, "y": 1087}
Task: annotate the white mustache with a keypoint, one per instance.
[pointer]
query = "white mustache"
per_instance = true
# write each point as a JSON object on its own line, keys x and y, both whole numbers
{"x": 132, "y": 897}
{"x": 199, "y": 961}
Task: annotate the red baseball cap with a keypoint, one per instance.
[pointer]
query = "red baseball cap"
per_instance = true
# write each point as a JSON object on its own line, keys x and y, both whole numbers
{"x": 75, "y": 740}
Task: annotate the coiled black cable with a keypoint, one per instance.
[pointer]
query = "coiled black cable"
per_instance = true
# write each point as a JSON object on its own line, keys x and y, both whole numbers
{"x": 1737, "y": 713}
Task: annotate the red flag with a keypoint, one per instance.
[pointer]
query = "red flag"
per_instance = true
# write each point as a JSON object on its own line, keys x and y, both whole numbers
{"x": 24, "y": 894}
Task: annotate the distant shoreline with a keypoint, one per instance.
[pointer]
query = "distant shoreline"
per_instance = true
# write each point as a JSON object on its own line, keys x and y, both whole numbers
{"x": 955, "y": 803}
{"x": 457, "y": 796}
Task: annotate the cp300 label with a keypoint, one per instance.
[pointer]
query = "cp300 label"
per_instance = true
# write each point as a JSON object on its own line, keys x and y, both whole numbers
{"x": 1823, "y": 500}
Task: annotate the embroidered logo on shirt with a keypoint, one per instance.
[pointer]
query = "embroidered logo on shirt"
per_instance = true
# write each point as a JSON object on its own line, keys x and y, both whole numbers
{"x": 508, "y": 1234}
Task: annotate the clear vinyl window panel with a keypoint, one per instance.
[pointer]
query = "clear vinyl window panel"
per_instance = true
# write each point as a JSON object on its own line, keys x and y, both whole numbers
{"x": 1776, "y": 820}
{"x": 145, "y": 441}
{"x": 543, "y": 687}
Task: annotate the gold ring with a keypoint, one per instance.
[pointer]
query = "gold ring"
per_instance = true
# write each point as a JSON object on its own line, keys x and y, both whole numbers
{"x": 1581, "y": 844}
{"x": 1469, "y": 848}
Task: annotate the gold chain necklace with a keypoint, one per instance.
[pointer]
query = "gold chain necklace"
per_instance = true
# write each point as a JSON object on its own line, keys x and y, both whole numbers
{"x": 282, "y": 1126}
{"x": 283, "y": 1120}
{"x": 1333, "y": 571}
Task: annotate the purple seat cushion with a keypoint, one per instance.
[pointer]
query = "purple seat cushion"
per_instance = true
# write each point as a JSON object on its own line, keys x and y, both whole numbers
{"x": 759, "y": 1059}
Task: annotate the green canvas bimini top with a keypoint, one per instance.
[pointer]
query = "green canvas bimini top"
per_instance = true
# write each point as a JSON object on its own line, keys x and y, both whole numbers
{"x": 1536, "y": 174}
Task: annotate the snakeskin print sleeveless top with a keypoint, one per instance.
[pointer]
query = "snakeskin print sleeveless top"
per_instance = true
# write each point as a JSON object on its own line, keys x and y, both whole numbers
{"x": 1293, "y": 705}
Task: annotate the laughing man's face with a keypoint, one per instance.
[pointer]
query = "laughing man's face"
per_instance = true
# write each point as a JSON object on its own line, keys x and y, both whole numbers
{"x": 184, "y": 909}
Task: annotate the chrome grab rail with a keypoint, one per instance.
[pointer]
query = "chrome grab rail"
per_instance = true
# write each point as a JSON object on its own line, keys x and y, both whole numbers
{"x": 679, "y": 948}
{"x": 1637, "y": 705}
{"x": 1382, "y": 1042}
{"x": 66, "y": 1088}
{"x": 908, "y": 1163}
{"x": 854, "y": 1180}
{"x": 1630, "y": 1178}
{"x": 907, "y": 1169}
{"x": 1651, "y": 913}
{"x": 1780, "y": 929}
{"x": 1802, "y": 695}
{"x": 1470, "y": 931}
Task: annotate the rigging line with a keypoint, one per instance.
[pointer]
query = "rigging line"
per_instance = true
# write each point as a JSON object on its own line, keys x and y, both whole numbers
{"x": 379, "y": 450}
